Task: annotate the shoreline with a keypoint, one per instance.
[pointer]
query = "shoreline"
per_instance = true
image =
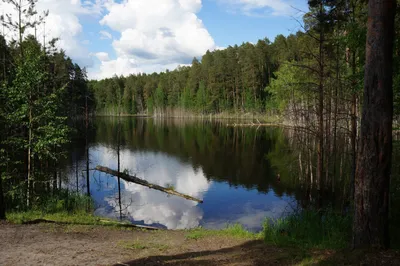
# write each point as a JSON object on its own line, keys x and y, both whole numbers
{"x": 49, "y": 244}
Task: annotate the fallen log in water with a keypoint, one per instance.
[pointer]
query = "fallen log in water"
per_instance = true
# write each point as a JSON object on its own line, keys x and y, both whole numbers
{"x": 101, "y": 223}
{"x": 142, "y": 182}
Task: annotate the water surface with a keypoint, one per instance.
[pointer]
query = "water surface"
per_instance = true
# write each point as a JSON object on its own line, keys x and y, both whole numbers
{"x": 243, "y": 174}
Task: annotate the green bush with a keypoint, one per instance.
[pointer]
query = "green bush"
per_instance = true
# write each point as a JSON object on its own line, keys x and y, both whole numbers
{"x": 64, "y": 201}
{"x": 309, "y": 229}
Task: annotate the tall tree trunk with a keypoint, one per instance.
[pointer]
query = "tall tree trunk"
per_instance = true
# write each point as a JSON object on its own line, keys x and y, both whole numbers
{"x": 328, "y": 137}
{"x": 87, "y": 145}
{"x": 55, "y": 177}
{"x": 77, "y": 175}
{"x": 4, "y": 57}
{"x": 320, "y": 146}
{"x": 353, "y": 127}
{"x": 55, "y": 183}
{"x": 20, "y": 28}
{"x": 2, "y": 202}
{"x": 119, "y": 164}
{"x": 29, "y": 166}
{"x": 59, "y": 180}
{"x": 371, "y": 219}
{"x": 335, "y": 120}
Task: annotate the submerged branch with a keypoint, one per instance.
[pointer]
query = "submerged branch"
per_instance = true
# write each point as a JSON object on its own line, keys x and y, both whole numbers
{"x": 102, "y": 222}
{"x": 142, "y": 182}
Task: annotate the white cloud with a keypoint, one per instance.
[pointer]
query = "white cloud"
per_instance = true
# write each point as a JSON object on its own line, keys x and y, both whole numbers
{"x": 154, "y": 38}
{"x": 193, "y": 6}
{"x": 261, "y": 7}
{"x": 102, "y": 56}
{"x": 220, "y": 48}
{"x": 63, "y": 23}
{"x": 120, "y": 66}
{"x": 105, "y": 35}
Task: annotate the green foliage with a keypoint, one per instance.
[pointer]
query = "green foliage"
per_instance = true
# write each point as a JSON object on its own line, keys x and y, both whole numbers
{"x": 41, "y": 93}
{"x": 195, "y": 235}
{"x": 128, "y": 103}
{"x": 159, "y": 98}
{"x": 201, "y": 98}
{"x": 234, "y": 230}
{"x": 61, "y": 207}
{"x": 150, "y": 105}
{"x": 288, "y": 86}
{"x": 187, "y": 99}
{"x": 64, "y": 201}
{"x": 280, "y": 77}
{"x": 309, "y": 229}
{"x": 219, "y": 82}
{"x": 24, "y": 217}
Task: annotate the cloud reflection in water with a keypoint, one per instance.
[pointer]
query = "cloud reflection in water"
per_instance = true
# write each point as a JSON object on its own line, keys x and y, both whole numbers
{"x": 223, "y": 204}
{"x": 150, "y": 206}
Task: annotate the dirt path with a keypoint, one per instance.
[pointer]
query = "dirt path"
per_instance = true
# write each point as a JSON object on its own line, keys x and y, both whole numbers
{"x": 46, "y": 244}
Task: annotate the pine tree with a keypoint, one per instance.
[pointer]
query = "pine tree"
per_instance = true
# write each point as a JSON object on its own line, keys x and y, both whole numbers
{"x": 375, "y": 154}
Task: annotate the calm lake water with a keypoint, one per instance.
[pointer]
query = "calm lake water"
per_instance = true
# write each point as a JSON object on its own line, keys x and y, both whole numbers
{"x": 233, "y": 169}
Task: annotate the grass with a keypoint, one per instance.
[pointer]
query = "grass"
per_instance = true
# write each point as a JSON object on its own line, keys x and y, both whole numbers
{"x": 234, "y": 230}
{"x": 64, "y": 207}
{"x": 62, "y": 217}
{"x": 63, "y": 201}
{"x": 306, "y": 229}
{"x": 131, "y": 245}
{"x": 136, "y": 245}
{"x": 309, "y": 229}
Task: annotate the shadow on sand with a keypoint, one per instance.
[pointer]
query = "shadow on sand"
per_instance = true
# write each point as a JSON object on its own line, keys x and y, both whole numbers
{"x": 249, "y": 253}
{"x": 258, "y": 253}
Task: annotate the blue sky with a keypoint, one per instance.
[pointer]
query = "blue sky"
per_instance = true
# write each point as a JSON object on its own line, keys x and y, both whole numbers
{"x": 123, "y": 37}
{"x": 229, "y": 27}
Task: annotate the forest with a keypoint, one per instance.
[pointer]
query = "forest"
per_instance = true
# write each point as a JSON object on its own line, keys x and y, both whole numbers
{"x": 279, "y": 78}
{"x": 324, "y": 81}
{"x": 43, "y": 94}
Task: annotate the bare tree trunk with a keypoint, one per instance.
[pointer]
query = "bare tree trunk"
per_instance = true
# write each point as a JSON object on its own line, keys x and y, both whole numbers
{"x": 320, "y": 145}
{"x": 334, "y": 148}
{"x": 301, "y": 168}
{"x": 4, "y": 57}
{"x": 2, "y": 202}
{"x": 119, "y": 164}
{"x": 328, "y": 138}
{"x": 29, "y": 174}
{"x": 77, "y": 175}
{"x": 55, "y": 177}
{"x": 353, "y": 137}
{"x": 59, "y": 181}
{"x": 371, "y": 219}
{"x": 311, "y": 168}
{"x": 54, "y": 183}
{"x": 87, "y": 146}
{"x": 20, "y": 28}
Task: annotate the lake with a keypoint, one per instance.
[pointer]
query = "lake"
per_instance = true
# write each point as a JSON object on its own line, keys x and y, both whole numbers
{"x": 243, "y": 174}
